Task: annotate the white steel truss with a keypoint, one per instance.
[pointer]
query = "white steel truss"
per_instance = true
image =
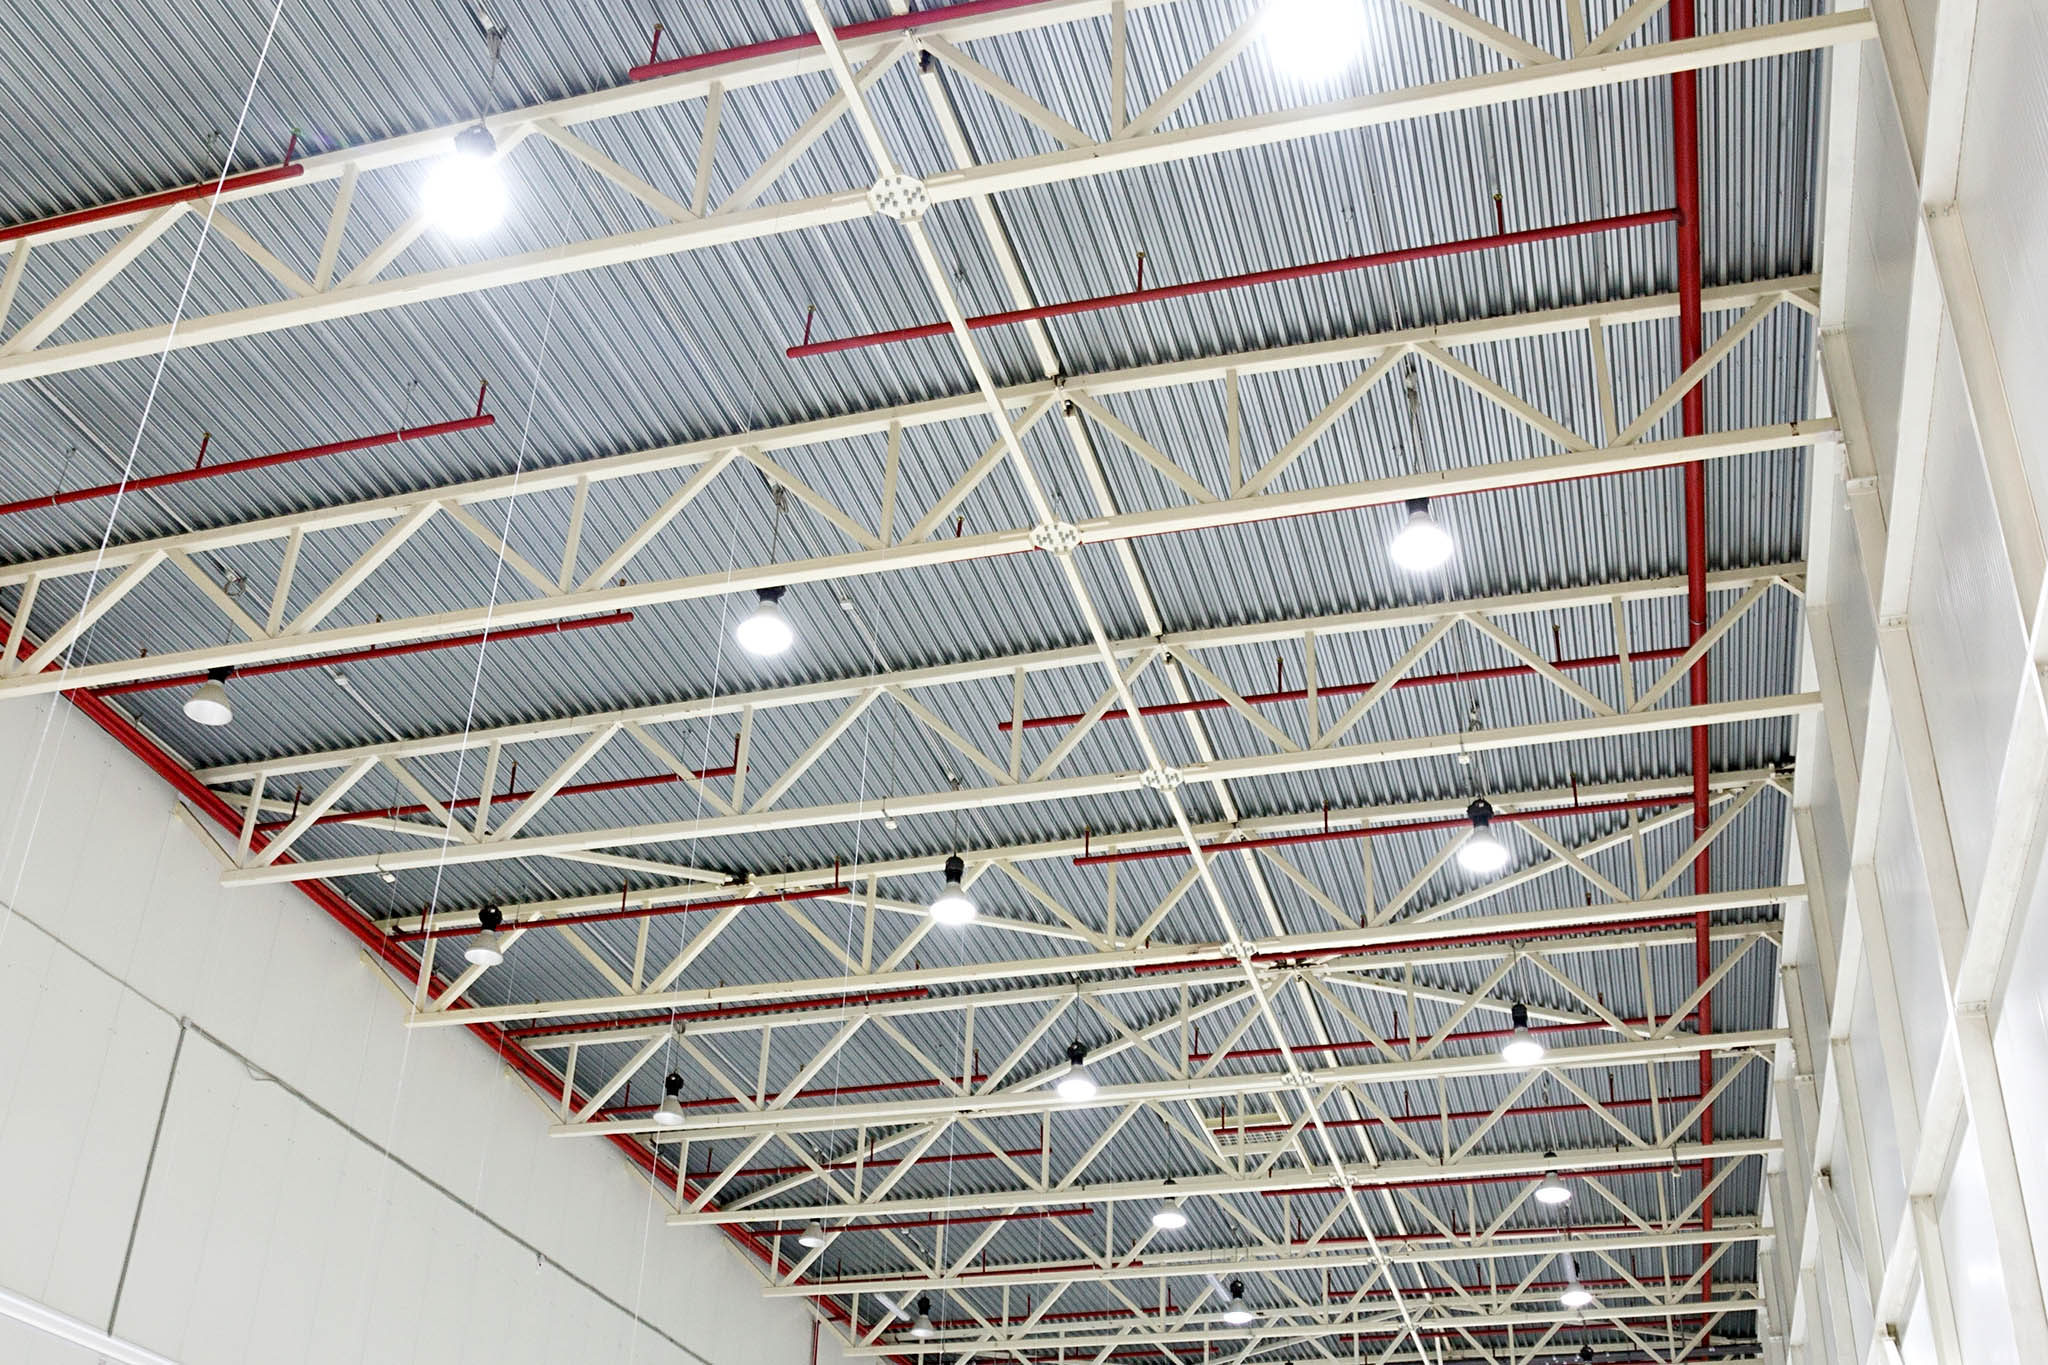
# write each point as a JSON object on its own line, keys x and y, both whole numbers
{"x": 329, "y": 617}
{"x": 1512, "y": 70}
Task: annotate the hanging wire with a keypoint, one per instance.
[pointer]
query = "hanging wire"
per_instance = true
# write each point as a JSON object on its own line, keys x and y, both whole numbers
{"x": 32, "y": 813}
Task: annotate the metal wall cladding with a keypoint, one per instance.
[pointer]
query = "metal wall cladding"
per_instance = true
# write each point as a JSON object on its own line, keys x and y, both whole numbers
{"x": 690, "y": 347}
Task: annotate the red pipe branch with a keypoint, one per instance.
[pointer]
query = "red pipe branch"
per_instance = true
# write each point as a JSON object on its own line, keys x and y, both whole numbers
{"x": 615, "y": 784}
{"x": 1580, "y": 1229}
{"x": 1417, "y": 944}
{"x": 215, "y": 471}
{"x": 356, "y": 656}
{"x": 823, "y": 1093}
{"x": 607, "y": 916}
{"x": 1404, "y": 1238}
{"x": 184, "y": 194}
{"x": 1685, "y": 169}
{"x": 620, "y": 1022}
{"x": 1455, "y": 1116}
{"x": 1176, "y": 708}
{"x": 1245, "y": 280}
{"x": 1138, "y": 855}
{"x": 878, "y": 1163}
{"x": 1021, "y": 1216}
{"x": 653, "y": 69}
{"x": 1472, "y": 1035}
{"x": 1459, "y": 1182}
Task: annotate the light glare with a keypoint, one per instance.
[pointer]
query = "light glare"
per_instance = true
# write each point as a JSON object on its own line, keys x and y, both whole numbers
{"x": 1314, "y": 40}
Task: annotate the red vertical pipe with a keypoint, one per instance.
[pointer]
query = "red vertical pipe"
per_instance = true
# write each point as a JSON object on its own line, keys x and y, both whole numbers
{"x": 1685, "y": 167}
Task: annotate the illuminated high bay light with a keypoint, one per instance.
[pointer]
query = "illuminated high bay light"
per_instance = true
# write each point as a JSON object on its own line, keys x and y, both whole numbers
{"x": 1523, "y": 1048}
{"x": 953, "y": 905}
{"x": 1421, "y": 545}
{"x": 464, "y": 194}
{"x": 765, "y": 632}
{"x": 1076, "y": 1085}
{"x": 1482, "y": 854}
{"x": 1313, "y": 40}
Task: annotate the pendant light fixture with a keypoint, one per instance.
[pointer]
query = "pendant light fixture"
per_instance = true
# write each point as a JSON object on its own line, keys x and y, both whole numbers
{"x": 1076, "y": 1084}
{"x": 488, "y": 950}
{"x": 1169, "y": 1216}
{"x": 765, "y": 632}
{"x": 922, "y": 1328}
{"x": 1236, "y": 1311}
{"x": 670, "y": 1112}
{"x": 953, "y": 906}
{"x": 1421, "y": 545}
{"x": 464, "y": 193}
{"x": 209, "y": 704}
{"x": 1552, "y": 1190}
{"x": 812, "y": 1236}
{"x": 1482, "y": 854}
{"x": 1574, "y": 1295}
{"x": 1523, "y": 1048}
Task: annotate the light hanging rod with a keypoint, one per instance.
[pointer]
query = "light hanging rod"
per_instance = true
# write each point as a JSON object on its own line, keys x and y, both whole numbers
{"x": 1246, "y": 280}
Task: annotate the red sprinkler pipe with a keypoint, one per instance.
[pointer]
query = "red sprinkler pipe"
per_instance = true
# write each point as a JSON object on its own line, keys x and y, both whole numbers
{"x": 1139, "y": 855}
{"x": 797, "y": 42}
{"x": 1685, "y": 170}
{"x": 1580, "y": 1229}
{"x": 1460, "y": 1181}
{"x": 184, "y": 194}
{"x": 1015, "y": 1154}
{"x": 1175, "y": 708}
{"x": 1022, "y": 1216}
{"x": 1247, "y": 280}
{"x": 1246, "y": 1054}
{"x": 616, "y": 784}
{"x": 356, "y": 656}
{"x": 618, "y": 1023}
{"x": 1418, "y": 944}
{"x": 215, "y": 471}
{"x": 1456, "y": 1116}
{"x": 613, "y": 1111}
{"x": 605, "y": 917}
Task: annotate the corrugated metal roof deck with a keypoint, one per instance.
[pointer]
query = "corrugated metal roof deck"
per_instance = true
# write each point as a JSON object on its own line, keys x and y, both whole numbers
{"x": 690, "y": 346}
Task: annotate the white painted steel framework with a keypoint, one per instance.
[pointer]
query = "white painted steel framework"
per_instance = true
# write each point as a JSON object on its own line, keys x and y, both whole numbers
{"x": 346, "y": 289}
{"x": 1312, "y": 1121}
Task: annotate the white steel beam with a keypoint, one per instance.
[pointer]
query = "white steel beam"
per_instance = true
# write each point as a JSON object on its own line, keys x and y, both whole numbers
{"x": 1022, "y": 793}
{"x": 1272, "y": 1258}
{"x": 1539, "y": 602}
{"x": 930, "y": 554}
{"x": 1214, "y": 1086}
{"x": 1502, "y": 930}
{"x": 358, "y": 294}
